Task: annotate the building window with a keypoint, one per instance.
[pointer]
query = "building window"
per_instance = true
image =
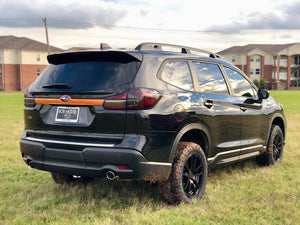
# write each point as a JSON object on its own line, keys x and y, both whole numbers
{"x": 257, "y": 59}
{"x": 251, "y": 71}
{"x": 296, "y": 60}
{"x": 295, "y": 79}
{"x": 257, "y": 71}
{"x": 38, "y": 57}
{"x": 38, "y": 72}
{"x": 251, "y": 59}
{"x": 233, "y": 59}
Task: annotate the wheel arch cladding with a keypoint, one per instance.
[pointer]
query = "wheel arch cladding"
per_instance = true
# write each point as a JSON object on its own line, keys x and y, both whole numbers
{"x": 196, "y": 133}
{"x": 281, "y": 123}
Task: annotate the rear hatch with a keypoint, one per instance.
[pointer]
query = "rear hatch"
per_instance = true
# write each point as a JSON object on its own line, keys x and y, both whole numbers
{"x": 66, "y": 102}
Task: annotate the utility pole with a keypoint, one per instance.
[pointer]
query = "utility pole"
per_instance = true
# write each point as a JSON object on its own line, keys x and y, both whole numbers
{"x": 46, "y": 28}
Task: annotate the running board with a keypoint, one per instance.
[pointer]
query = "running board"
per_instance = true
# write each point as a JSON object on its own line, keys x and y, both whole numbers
{"x": 235, "y": 155}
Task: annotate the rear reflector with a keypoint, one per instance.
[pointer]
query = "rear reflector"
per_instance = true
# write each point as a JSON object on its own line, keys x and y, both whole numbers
{"x": 134, "y": 98}
{"x": 123, "y": 167}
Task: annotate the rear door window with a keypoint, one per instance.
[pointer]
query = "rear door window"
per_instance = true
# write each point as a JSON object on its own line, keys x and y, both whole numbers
{"x": 210, "y": 78}
{"x": 178, "y": 74}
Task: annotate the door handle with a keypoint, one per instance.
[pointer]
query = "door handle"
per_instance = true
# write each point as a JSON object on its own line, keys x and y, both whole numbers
{"x": 243, "y": 108}
{"x": 208, "y": 103}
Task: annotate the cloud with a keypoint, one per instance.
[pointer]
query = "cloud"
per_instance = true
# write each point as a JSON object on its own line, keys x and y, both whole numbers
{"x": 74, "y": 14}
{"x": 284, "y": 18}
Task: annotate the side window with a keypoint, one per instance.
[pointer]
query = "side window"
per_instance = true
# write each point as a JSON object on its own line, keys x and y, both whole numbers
{"x": 240, "y": 85}
{"x": 210, "y": 78}
{"x": 178, "y": 74}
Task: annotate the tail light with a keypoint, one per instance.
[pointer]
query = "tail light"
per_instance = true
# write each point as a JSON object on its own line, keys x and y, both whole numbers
{"x": 28, "y": 99}
{"x": 135, "y": 98}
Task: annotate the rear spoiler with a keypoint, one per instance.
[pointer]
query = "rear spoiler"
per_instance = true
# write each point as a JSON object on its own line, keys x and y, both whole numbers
{"x": 94, "y": 56}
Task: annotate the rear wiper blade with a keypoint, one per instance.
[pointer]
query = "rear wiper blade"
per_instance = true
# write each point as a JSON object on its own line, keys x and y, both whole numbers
{"x": 58, "y": 86}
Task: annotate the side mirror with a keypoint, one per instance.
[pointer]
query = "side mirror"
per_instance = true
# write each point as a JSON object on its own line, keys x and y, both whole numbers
{"x": 263, "y": 94}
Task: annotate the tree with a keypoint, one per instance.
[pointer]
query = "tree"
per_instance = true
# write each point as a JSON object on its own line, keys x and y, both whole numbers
{"x": 257, "y": 83}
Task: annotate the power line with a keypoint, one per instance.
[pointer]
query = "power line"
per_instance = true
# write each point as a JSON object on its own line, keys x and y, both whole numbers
{"x": 101, "y": 25}
{"x": 3, "y": 19}
{"x": 126, "y": 27}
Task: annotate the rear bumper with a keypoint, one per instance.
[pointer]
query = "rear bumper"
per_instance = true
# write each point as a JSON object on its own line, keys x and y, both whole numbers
{"x": 92, "y": 161}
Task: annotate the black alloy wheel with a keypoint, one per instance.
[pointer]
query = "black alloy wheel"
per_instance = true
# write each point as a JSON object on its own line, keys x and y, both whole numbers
{"x": 277, "y": 147}
{"x": 193, "y": 171}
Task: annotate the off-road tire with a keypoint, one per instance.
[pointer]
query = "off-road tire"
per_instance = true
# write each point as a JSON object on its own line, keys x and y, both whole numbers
{"x": 68, "y": 179}
{"x": 188, "y": 177}
{"x": 275, "y": 148}
{"x": 165, "y": 191}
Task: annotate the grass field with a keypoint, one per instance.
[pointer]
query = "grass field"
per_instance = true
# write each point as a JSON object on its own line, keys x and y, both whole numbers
{"x": 238, "y": 194}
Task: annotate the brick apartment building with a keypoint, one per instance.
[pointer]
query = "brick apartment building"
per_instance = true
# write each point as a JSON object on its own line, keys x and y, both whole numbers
{"x": 278, "y": 64}
{"x": 21, "y": 61}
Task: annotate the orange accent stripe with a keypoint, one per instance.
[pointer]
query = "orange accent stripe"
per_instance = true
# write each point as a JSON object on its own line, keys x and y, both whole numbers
{"x": 56, "y": 101}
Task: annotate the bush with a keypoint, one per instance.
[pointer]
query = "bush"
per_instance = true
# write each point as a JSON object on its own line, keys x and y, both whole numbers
{"x": 257, "y": 83}
{"x": 260, "y": 83}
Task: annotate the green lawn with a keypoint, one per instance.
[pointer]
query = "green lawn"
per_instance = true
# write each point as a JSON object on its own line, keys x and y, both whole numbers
{"x": 239, "y": 194}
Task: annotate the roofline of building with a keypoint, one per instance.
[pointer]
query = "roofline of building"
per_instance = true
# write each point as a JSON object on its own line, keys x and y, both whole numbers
{"x": 14, "y": 43}
{"x": 241, "y": 49}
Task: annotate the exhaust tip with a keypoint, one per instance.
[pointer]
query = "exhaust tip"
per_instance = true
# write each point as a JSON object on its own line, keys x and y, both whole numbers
{"x": 110, "y": 175}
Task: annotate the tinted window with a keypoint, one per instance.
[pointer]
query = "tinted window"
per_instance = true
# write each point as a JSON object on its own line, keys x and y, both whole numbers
{"x": 88, "y": 76}
{"x": 178, "y": 74}
{"x": 240, "y": 85}
{"x": 210, "y": 78}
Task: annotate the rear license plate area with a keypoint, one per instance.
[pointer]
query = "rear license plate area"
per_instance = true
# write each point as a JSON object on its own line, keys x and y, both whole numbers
{"x": 67, "y": 114}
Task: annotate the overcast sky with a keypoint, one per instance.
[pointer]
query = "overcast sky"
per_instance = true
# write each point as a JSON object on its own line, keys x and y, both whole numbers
{"x": 212, "y": 25}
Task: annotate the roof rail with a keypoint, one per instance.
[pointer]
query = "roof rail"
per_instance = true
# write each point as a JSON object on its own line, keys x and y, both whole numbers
{"x": 184, "y": 49}
{"x": 74, "y": 49}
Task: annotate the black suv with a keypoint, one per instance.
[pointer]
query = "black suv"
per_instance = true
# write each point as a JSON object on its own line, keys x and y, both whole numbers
{"x": 160, "y": 112}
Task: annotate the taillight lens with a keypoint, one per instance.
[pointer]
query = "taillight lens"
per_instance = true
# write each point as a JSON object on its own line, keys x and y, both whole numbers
{"x": 116, "y": 102}
{"x": 134, "y": 98}
{"x": 28, "y": 99}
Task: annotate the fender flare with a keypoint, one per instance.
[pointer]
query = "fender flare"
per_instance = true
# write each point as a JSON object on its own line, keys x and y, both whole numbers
{"x": 274, "y": 116}
{"x": 184, "y": 130}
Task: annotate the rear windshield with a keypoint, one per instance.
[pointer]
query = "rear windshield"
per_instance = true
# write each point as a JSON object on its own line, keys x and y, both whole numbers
{"x": 88, "y": 76}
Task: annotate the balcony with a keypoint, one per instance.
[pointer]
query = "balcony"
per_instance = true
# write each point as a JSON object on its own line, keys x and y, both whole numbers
{"x": 282, "y": 75}
{"x": 295, "y": 65}
{"x": 282, "y": 62}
